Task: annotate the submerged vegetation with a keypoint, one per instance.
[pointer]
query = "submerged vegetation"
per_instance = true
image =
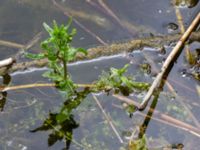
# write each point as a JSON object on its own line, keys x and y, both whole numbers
{"x": 58, "y": 50}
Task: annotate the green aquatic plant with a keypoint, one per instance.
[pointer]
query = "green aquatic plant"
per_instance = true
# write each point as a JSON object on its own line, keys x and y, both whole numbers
{"x": 139, "y": 144}
{"x": 116, "y": 80}
{"x": 58, "y": 50}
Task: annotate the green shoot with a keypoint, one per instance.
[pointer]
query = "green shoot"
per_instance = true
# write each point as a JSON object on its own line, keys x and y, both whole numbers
{"x": 59, "y": 52}
{"x": 117, "y": 81}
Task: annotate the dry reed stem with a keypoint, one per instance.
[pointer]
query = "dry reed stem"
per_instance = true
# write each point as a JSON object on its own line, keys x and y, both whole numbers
{"x": 35, "y": 85}
{"x": 168, "y": 61}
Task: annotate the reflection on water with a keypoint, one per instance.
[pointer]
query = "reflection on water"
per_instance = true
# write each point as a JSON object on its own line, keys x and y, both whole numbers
{"x": 174, "y": 122}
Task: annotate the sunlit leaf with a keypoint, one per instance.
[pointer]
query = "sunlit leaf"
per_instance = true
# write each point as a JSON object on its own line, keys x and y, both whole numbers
{"x": 48, "y": 28}
{"x": 34, "y": 56}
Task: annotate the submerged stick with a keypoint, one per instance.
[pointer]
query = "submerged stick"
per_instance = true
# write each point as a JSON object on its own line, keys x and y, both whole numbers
{"x": 108, "y": 119}
{"x": 10, "y": 44}
{"x": 168, "y": 119}
{"x": 67, "y": 13}
{"x": 168, "y": 61}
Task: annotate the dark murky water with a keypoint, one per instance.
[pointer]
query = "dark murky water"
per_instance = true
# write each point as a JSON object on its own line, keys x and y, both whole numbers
{"x": 25, "y": 110}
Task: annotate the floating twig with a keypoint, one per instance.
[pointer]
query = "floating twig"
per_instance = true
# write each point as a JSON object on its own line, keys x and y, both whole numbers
{"x": 168, "y": 61}
{"x": 34, "y": 85}
{"x": 10, "y": 44}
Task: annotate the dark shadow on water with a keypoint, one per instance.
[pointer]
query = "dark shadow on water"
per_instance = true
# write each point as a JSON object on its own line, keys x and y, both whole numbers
{"x": 61, "y": 125}
{"x": 6, "y": 81}
{"x": 58, "y": 131}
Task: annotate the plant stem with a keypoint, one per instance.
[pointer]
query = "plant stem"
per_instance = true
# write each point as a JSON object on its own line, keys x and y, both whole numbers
{"x": 65, "y": 69}
{"x": 65, "y": 65}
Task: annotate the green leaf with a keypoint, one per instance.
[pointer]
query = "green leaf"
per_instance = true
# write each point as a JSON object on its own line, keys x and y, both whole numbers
{"x": 73, "y": 32}
{"x": 48, "y": 28}
{"x": 126, "y": 81}
{"x": 61, "y": 117}
{"x": 82, "y": 50}
{"x": 53, "y": 76}
{"x": 34, "y": 56}
{"x": 130, "y": 109}
{"x": 73, "y": 51}
{"x": 68, "y": 24}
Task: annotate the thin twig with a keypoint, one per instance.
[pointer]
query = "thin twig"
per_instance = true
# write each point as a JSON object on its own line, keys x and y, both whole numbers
{"x": 108, "y": 119}
{"x": 78, "y": 23}
{"x": 198, "y": 90}
{"x": 168, "y": 61}
{"x": 9, "y": 61}
{"x": 10, "y": 44}
{"x": 133, "y": 29}
{"x": 34, "y": 85}
{"x": 27, "y": 46}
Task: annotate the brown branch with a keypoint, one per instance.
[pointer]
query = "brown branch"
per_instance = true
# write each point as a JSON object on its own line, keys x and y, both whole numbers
{"x": 168, "y": 61}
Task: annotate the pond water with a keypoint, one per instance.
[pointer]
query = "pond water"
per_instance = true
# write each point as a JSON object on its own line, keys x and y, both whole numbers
{"x": 99, "y": 23}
